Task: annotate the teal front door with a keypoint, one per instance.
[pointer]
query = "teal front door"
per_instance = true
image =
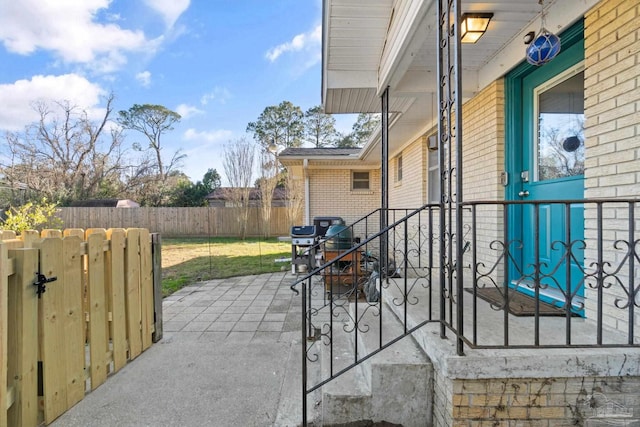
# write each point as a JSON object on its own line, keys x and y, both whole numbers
{"x": 548, "y": 154}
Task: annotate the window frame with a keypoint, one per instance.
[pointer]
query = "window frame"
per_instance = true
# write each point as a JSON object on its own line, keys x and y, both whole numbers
{"x": 354, "y": 179}
{"x": 433, "y": 169}
{"x": 399, "y": 168}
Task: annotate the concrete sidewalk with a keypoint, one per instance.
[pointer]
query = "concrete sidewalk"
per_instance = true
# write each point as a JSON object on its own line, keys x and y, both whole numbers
{"x": 229, "y": 357}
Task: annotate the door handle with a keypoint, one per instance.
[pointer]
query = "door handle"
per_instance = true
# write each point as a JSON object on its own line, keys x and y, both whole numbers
{"x": 524, "y": 193}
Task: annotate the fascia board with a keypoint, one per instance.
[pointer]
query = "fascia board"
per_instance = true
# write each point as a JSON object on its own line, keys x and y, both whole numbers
{"x": 411, "y": 31}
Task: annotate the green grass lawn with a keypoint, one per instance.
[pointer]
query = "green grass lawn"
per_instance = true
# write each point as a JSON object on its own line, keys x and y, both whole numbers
{"x": 190, "y": 260}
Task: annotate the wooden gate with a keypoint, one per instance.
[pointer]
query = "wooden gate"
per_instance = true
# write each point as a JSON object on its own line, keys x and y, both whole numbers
{"x": 75, "y": 306}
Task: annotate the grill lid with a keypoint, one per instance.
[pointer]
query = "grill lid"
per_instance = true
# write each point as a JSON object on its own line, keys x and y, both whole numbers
{"x": 303, "y": 231}
{"x": 338, "y": 231}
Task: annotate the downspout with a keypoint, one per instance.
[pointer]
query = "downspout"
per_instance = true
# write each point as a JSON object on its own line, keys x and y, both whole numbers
{"x": 307, "y": 204}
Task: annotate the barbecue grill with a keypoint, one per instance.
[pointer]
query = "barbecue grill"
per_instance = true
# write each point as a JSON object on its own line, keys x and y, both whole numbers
{"x": 323, "y": 223}
{"x": 303, "y": 253}
{"x": 303, "y": 235}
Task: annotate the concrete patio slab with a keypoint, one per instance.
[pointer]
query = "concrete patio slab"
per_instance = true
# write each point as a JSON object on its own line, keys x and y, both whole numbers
{"x": 222, "y": 361}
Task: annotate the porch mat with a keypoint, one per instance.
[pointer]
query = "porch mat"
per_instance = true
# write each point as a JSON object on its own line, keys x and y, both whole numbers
{"x": 519, "y": 304}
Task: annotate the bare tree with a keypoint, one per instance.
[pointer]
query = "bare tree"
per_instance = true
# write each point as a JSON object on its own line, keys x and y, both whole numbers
{"x": 65, "y": 155}
{"x": 295, "y": 195}
{"x": 561, "y": 151}
{"x": 267, "y": 185}
{"x": 238, "y": 166}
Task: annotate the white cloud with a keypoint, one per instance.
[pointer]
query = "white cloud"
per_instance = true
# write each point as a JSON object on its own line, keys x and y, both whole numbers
{"x": 219, "y": 94}
{"x": 186, "y": 111}
{"x": 144, "y": 78}
{"x": 310, "y": 41}
{"x": 204, "y": 150}
{"x": 18, "y": 98}
{"x": 207, "y": 136}
{"x": 169, "y": 9}
{"x": 68, "y": 28}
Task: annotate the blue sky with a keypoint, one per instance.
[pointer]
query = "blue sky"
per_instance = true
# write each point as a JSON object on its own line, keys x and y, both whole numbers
{"x": 218, "y": 63}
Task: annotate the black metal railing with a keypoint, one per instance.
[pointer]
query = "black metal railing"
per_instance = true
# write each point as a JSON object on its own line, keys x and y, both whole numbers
{"x": 535, "y": 274}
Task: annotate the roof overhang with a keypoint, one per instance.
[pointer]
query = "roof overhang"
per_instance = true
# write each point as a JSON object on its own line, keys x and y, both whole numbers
{"x": 353, "y": 34}
{"x": 309, "y": 158}
{"x": 369, "y": 45}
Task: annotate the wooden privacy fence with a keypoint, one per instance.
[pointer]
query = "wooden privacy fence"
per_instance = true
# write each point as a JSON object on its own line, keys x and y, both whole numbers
{"x": 178, "y": 222}
{"x": 102, "y": 310}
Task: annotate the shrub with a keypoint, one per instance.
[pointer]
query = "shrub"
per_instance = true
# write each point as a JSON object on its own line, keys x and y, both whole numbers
{"x": 31, "y": 216}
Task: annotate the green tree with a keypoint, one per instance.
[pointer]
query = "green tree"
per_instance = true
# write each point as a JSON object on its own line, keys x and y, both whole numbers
{"x": 211, "y": 180}
{"x": 153, "y": 121}
{"x": 281, "y": 124}
{"x": 185, "y": 193}
{"x": 152, "y": 172}
{"x": 346, "y": 141}
{"x": 319, "y": 128}
{"x": 361, "y": 130}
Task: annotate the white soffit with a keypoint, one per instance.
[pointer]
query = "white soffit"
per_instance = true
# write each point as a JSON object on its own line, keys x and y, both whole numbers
{"x": 354, "y": 33}
{"x": 560, "y": 15}
{"x": 362, "y": 101}
{"x": 361, "y": 58}
{"x": 509, "y": 19}
{"x": 360, "y": 54}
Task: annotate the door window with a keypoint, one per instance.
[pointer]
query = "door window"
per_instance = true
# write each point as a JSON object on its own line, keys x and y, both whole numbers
{"x": 560, "y": 126}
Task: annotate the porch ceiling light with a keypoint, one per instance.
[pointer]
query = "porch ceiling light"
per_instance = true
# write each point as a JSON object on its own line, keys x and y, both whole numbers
{"x": 473, "y": 26}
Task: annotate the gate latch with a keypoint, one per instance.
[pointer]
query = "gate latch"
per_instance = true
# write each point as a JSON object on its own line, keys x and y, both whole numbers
{"x": 40, "y": 283}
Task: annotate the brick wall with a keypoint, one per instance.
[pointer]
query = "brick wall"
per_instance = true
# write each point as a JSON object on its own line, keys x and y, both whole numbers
{"x": 539, "y": 402}
{"x": 411, "y": 191}
{"x": 612, "y": 131}
{"x": 612, "y": 99}
{"x": 483, "y": 156}
{"x": 331, "y": 194}
{"x": 483, "y": 144}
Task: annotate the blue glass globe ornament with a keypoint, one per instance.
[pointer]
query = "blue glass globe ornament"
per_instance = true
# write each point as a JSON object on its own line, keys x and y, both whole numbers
{"x": 543, "y": 48}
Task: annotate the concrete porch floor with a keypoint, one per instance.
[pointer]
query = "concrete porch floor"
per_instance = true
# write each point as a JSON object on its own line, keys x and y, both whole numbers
{"x": 512, "y": 362}
{"x": 485, "y": 367}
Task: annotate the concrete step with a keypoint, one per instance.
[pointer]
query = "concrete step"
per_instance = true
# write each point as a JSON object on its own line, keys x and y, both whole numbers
{"x": 289, "y": 411}
{"x": 401, "y": 375}
{"x": 427, "y": 337}
{"x": 348, "y": 397}
{"x": 394, "y": 386}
